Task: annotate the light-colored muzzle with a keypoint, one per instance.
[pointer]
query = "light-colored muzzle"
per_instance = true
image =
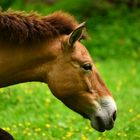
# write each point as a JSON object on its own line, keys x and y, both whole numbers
{"x": 105, "y": 114}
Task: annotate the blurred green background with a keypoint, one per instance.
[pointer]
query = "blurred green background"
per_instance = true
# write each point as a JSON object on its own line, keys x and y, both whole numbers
{"x": 30, "y": 112}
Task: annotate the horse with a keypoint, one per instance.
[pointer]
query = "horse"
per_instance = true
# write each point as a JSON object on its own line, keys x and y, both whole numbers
{"x": 5, "y": 135}
{"x": 48, "y": 49}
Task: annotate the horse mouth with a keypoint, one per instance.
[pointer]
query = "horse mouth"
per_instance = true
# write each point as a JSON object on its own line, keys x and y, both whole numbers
{"x": 101, "y": 124}
{"x": 100, "y": 128}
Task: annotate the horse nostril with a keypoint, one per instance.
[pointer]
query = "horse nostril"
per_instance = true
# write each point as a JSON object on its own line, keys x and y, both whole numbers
{"x": 114, "y": 116}
{"x": 98, "y": 118}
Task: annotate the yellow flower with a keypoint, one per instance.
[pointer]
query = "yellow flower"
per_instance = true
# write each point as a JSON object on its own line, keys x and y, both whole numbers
{"x": 97, "y": 65}
{"x": 14, "y": 126}
{"x": 69, "y": 134}
{"x": 37, "y": 129}
{"x": 48, "y": 125}
{"x": 29, "y": 134}
{"x": 84, "y": 137}
{"x": 57, "y": 115}
{"x": 86, "y": 128}
{"x": 47, "y": 101}
{"x": 125, "y": 135}
{"x": 118, "y": 133}
{"x": 130, "y": 110}
{"x": 43, "y": 134}
{"x": 7, "y": 129}
{"x": 100, "y": 138}
{"x": 138, "y": 116}
{"x": 63, "y": 138}
{"x": 20, "y": 124}
{"x": 28, "y": 123}
{"x": 1, "y": 90}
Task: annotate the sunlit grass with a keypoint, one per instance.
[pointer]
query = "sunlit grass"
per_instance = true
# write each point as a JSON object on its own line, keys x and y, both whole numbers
{"x": 30, "y": 111}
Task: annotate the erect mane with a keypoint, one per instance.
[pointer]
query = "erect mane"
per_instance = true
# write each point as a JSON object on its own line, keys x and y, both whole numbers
{"x": 20, "y": 28}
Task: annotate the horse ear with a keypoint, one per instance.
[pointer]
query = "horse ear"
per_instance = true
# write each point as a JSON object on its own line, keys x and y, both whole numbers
{"x": 76, "y": 34}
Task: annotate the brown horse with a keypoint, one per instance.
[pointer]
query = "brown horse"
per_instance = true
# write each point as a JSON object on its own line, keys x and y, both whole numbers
{"x": 48, "y": 49}
{"x": 5, "y": 135}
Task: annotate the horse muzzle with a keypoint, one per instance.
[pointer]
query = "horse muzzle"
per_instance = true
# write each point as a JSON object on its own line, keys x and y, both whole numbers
{"x": 104, "y": 115}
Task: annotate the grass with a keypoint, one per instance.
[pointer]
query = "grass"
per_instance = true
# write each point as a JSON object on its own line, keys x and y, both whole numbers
{"x": 29, "y": 111}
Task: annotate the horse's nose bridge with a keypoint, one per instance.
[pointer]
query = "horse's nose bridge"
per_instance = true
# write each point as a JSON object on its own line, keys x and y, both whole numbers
{"x": 108, "y": 107}
{"x": 99, "y": 86}
{"x": 107, "y": 102}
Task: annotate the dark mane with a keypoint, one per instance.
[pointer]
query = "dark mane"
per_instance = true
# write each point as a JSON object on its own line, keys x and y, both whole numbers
{"x": 20, "y": 28}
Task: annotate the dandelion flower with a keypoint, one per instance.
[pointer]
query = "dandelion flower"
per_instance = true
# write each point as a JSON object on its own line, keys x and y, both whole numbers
{"x": 69, "y": 134}
{"x": 130, "y": 110}
{"x": 37, "y": 129}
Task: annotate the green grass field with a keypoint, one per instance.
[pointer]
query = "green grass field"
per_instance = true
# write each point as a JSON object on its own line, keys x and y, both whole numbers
{"x": 30, "y": 112}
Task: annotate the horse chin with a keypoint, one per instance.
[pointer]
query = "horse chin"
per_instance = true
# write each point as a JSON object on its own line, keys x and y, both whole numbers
{"x": 93, "y": 123}
{"x": 100, "y": 129}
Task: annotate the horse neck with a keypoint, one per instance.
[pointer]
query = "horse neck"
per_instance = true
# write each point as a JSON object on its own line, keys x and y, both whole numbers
{"x": 24, "y": 63}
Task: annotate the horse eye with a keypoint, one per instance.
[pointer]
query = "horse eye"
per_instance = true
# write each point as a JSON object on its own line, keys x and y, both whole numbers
{"x": 87, "y": 66}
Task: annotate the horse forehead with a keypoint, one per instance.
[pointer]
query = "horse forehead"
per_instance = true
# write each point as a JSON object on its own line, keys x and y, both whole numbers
{"x": 81, "y": 47}
{"x": 81, "y": 52}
